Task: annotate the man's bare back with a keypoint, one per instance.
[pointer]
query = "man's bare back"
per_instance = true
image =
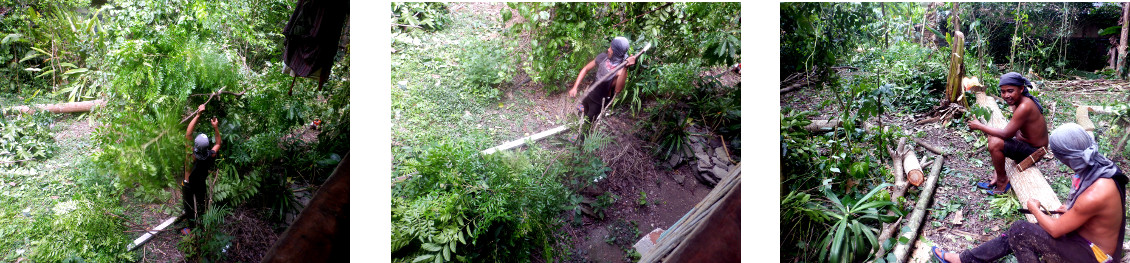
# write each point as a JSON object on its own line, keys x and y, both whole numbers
{"x": 1101, "y": 201}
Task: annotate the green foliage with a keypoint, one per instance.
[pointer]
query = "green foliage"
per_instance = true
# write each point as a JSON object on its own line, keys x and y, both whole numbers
{"x": 1005, "y": 206}
{"x": 488, "y": 65}
{"x": 207, "y": 242}
{"x": 569, "y": 35}
{"x": 642, "y": 200}
{"x": 428, "y": 16}
{"x": 850, "y": 236}
{"x": 232, "y": 188}
{"x": 25, "y": 137}
{"x": 458, "y": 197}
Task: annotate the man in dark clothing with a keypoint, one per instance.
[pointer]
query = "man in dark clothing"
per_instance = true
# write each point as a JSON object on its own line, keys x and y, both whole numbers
{"x": 204, "y": 159}
{"x": 1092, "y": 226}
{"x": 602, "y": 94}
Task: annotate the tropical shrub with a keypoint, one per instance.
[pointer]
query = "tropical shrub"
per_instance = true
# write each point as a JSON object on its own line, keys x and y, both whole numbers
{"x": 462, "y": 205}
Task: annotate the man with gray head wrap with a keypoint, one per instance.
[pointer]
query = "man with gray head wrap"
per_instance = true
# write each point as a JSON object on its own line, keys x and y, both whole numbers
{"x": 193, "y": 190}
{"x": 1092, "y": 226}
{"x": 1024, "y": 134}
{"x": 602, "y": 94}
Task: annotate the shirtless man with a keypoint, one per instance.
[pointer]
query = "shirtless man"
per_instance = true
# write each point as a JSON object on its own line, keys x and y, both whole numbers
{"x": 1024, "y": 134}
{"x": 1092, "y": 224}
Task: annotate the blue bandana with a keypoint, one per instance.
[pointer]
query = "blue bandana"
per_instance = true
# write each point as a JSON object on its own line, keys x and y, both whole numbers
{"x": 1015, "y": 79}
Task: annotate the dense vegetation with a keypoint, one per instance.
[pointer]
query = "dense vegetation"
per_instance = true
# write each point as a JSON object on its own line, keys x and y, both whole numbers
{"x": 878, "y": 61}
{"x": 151, "y": 61}
{"x": 453, "y": 203}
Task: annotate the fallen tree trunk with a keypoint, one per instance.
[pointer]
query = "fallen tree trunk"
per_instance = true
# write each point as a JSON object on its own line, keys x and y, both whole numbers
{"x": 69, "y": 107}
{"x": 918, "y": 217}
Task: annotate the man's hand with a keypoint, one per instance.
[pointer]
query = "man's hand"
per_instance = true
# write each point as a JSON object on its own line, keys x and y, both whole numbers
{"x": 573, "y": 92}
{"x": 214, "y": 122}
{"x": 1033, "y": 204}
{"x": 631, "y": 60}
{"x": 974, "y": 124}
{"x": 201, "y": 108}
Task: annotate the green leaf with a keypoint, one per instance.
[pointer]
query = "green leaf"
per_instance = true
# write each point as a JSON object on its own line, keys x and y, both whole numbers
{"x": 45, "y": 73}
{"x": 423, "y": 258}
{"x": 11, "y": 38}
{"x": 67, "y": 64}
{"x": 73, "y": 71}
{"x": 447, "y": 253}
{"x": 431, "y": 247}
{"x": 29, "y": 55}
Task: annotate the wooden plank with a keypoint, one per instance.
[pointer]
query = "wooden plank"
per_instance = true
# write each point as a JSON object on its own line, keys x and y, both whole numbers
{"x": 321, "y": 231}
{"x": 680, "y": 241}
{"x": 150, "y": 234}
{"x": 532, "y": 138}
{"x": 1029, "y": 183}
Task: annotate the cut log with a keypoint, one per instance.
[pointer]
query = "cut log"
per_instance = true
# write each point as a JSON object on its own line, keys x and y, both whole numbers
{"x": 913, "y": 169}
{"x": 918, "y": 217}
{"x": 1083, "y": 120}
{"x": 822, "y": 125}
{"x": 1027, "y": 184}
{"x": 69, "y": 107}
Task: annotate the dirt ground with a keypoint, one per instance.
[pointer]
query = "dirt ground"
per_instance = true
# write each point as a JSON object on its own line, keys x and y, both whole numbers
{"x": 960, "y": 216}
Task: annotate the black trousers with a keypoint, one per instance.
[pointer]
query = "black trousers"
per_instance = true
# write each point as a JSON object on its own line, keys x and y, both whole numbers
{"x": 1030, "y": 243}
{"x": 194, "y": 196}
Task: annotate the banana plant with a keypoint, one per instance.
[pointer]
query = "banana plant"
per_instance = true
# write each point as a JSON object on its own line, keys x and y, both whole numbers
{"x": 851, "y": 235}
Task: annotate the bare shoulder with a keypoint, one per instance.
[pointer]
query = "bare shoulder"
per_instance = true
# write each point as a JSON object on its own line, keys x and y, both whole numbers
{"x": 1102, "y": 193}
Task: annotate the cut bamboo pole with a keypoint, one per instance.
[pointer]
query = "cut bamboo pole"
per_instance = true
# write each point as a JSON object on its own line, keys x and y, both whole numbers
{"x": 674, "y": 242}
{"x": 150, "y": 234}
{"x": 919, "y": 215}
{"x": 70, "y": 107}
{"x": 522, "y": 141}
{"x": 1029, "y": 183}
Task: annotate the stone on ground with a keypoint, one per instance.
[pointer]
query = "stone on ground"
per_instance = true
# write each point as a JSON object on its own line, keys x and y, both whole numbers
{"x": 647, "y": 242}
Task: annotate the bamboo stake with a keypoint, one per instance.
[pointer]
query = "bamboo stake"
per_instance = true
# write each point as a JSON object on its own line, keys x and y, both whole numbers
{"x": 919, "y": 215}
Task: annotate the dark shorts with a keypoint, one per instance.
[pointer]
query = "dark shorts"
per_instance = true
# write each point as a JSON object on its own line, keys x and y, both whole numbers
{"x": 1017, "y": 150}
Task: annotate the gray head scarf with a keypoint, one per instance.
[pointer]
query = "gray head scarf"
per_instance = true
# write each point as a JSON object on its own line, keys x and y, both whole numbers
{"x": 619, "y": 47}
{"x": 1015, "y": 79}
{"x": 201, "y": 149}
{"x": 1075, "y": 148}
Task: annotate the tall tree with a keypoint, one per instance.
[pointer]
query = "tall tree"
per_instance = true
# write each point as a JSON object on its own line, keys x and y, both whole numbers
{"x": 1122, "y": 40}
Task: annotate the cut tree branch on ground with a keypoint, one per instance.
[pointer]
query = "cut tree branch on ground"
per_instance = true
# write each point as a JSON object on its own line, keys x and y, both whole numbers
{"x": 926, "y": 145}
{"x": 917, "y": 218}
{"x": 900, "y": 189}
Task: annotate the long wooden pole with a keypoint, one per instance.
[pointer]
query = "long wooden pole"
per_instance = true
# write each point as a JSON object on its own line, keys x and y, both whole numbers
{"x": 70, "y": 107}
{"x": 919, "y": 215}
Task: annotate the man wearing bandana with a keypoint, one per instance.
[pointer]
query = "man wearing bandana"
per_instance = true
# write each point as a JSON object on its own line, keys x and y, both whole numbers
{"x": 602, "y": 94}
{"x": 1024, "y": 134}
{"x": 204, "y": 159}
{"x": 1092, "y": 226}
